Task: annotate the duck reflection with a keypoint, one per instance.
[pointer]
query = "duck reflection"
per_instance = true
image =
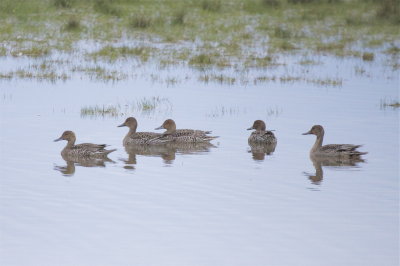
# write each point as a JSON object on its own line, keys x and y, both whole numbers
{"x": 259, "y": 150}
{"x": 166, "y": 151}
{"x": 318, "y": 162}
{"x": 72, "y": 161}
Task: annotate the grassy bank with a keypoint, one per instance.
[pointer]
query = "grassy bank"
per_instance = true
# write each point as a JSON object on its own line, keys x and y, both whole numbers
{"x": 199, "y": 34}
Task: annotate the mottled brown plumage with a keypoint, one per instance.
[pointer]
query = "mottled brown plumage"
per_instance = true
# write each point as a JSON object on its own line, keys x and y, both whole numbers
{"x": 261, "y": 135}
{"x": 183, "y": 135}
{"x": 344, "y": 150}
{"x": 134, "y": 137}
{"x": 82, "y": 150}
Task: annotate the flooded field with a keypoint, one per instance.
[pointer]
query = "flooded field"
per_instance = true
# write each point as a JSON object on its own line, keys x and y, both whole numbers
{"x": 222, "y": 203}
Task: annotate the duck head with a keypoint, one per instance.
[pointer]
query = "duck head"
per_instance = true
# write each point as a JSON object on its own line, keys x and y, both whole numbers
{"x": 68, "y": 136}
{"x": 258, "y": 125}
{"x": 315, "y": 130}
{"x": 169, "y": 125}
{"x": 130, "y": 122}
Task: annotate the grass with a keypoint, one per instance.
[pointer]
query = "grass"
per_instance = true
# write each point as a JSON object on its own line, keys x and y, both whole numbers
{"x": 385, "y": 103}
{"x": 72, "y": 24}
{"x": 221, "y": 79}
{"x": 222, "y": 35}
{"x": 202, "y": 60}
{"x": 113, "y": 53}
{"x": 145, "y": 106}
{"x": 33, "y": 51}
{"x": 95, "y": 111}
{"x": 368, "y": 56}
{"x": 211, "y": 5}
{"x": 140, "y": 21}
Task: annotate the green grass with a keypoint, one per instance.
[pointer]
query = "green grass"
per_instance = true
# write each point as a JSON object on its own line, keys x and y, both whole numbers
{"x": 104, "y": 111}
{"x": 145, "y": 106}
{"x": 113, "y": 53}
{"x": 368, "y": 56}
{"x": 216, "y": 34}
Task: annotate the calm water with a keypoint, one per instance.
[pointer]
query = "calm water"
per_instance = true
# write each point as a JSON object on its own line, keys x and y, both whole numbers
{"x": 209, "y": 205}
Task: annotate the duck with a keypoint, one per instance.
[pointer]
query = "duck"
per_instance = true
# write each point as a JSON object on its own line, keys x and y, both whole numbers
{"x": 261, "y": 135}
{"x": 82, "y": 150}
{"x": 338, "y": 150}
{"x": 140, "y": 138}
{"x": 183, "y": 135}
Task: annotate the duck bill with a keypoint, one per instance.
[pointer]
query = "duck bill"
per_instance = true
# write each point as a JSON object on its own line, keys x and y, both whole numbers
{"x": 160, "y": 127}
{"x": 58, "y": 139}
{"x": 307, "y": 133}
{"x": 250, "y": 128}
{"x": 122, "y": 125}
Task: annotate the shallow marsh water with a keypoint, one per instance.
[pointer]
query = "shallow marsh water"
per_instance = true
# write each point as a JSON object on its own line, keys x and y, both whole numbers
{"x": 218, "y": 205}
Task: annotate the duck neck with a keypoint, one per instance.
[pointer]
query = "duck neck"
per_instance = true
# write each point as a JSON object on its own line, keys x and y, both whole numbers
{"x": 132, "y": 130}
{"x": 318, "y": 142}
{"x": 170, "y": 130}
{"x": 70, "y": 143}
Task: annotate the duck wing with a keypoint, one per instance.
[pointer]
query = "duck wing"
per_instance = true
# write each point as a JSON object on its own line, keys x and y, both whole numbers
{"x": 90, "y": 149}
{"x": 344, "y": 149}
{"x": 145, "y": 135}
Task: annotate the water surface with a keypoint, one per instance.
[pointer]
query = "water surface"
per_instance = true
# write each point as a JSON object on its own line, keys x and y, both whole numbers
{"x": 217, "y": 205}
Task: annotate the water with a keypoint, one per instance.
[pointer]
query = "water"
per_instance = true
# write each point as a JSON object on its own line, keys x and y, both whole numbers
{"x": 217, "y": 205}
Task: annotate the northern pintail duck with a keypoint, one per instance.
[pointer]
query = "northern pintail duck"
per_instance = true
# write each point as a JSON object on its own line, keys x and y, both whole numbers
{"x": 183, "y": 135}
{"x": 82, "y": 150}
{"x": 344, "y": 150}
{"x": 134, "y": 137}
{"x": 261, "y": 135}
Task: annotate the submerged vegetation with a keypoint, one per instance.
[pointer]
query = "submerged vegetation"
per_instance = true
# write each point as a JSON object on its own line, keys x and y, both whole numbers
{"x": 145, "y": 106}
{"x": 385, "y": 103}
{"x": 207, "y": 34}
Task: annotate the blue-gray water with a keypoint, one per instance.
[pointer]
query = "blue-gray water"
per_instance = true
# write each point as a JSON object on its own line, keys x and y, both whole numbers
{"x": 215, "y": 207}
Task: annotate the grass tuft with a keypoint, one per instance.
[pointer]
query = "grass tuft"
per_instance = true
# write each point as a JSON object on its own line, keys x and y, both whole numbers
{"x": 179, "y": 17}
{"x": 368, "y": 56}
{"x": 201, "y": 60}
{"x": 73, "y": 24}
{"x": 211, "y": 5}
{"x": 271, "y": 3}
{"x": 140, "y": 21}
{"x": 106, "y": 7}
{"x": 63, "y": 3}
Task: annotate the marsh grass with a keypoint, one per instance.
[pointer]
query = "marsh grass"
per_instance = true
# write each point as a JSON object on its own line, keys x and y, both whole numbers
{"x": 106, "y": 7}
{"x": 386, "y": 103}
{"x": 393, "y": 49}
{"x": 223, "y": 35}
{"x": 33, "y": 51}
{"x": 368, "y": 56}
{"x": 145, "y": 106}
{"x": 271, "y": 3}
{"x": 211, "y": 5}
{"x": 389, "y": 9}
{"x": 72, "y": 24}
{"x": 221, "y": 111}
{"x": 309, "y": 62}
{"x": 103, "y": 111}
{"x": 281, "y": 32}
{"x": 113, "y": 53}
{"x": 221, "y": 79}
{"x": 141, "y": 21}
{"x": 63, "y": 3}
{"x": 178, "y": 17}
{"x": 202, "y": 60}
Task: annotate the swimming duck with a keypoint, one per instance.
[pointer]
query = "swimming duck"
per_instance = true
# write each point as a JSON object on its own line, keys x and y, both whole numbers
{"x": 183, "y": 135}
{"x": 134, "y": 137}
{"x": 344, "y": 150}
{"x": 261, "y": 135}
{"x": 82, "y": 150}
